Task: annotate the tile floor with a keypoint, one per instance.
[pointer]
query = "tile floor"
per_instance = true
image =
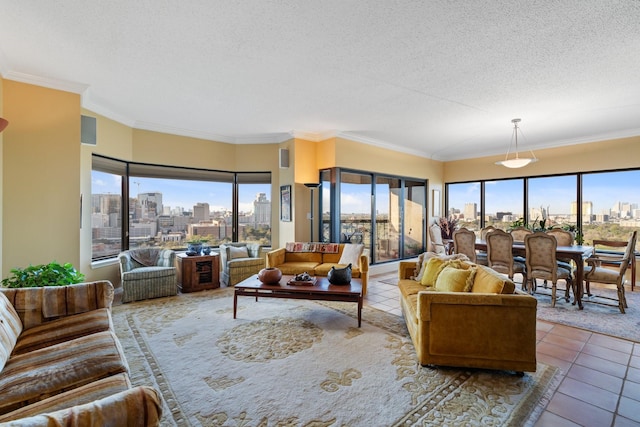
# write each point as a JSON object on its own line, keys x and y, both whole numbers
{"x": 600, "y": 374}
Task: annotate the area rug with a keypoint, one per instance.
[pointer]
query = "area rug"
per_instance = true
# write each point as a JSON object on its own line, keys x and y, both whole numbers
{"x": 596, "y": 317}
{"x": 302, "y": 363}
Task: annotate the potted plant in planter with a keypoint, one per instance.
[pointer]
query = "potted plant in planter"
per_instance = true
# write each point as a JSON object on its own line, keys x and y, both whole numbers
{"x": 52, "y": 274}
{"x": 195, "y": 243}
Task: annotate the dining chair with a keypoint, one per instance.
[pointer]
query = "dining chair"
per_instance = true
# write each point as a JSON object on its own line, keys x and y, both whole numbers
{"x": 541, "y": 263}
{"x": 518, "y": 233}
{"x": 605, "y": 251}
{"x": 435, "y": 235}
{"x": 564, "y": 238}
{"x": 481, "y": 256}
{"x": 499, "y": 254}
{"x": 594, "y": 272}
{"x": 464, "y": 242}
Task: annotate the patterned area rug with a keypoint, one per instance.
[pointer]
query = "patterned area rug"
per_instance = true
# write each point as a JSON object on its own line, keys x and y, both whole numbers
{"x": 302, "y": 363}
{"x": 596, "y": 317}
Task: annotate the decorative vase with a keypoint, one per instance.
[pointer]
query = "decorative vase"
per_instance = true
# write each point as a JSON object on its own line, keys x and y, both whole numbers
{"x": 339, "y": 276}
{"x": 195, "y": 247}
{"x": 270, "y": 275}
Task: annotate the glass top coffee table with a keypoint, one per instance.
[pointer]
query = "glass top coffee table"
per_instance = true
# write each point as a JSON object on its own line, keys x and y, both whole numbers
{"x": 321, "y": 290}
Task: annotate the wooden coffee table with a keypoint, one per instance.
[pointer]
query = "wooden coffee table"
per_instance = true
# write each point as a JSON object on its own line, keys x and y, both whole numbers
{"x": 321, "y": 290}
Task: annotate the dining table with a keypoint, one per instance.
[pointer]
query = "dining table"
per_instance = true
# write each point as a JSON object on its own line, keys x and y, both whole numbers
{"x": 576, "y": 253}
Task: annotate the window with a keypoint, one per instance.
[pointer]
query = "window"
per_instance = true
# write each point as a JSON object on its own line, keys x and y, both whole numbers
{"x": 168, "y": 205}
{"x": 598, "y": 205}
{"x": 552, "y": 201}
{"x": 503, "y": 202}
{"x": 463, "y": 202}
{"x": 610, "y": 205}
{"x": 385, "y": 213}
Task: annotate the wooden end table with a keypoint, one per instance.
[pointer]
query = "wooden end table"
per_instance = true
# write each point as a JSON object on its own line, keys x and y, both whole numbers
{"x": 322, "y": 290}
{"x": 197, "y": 273}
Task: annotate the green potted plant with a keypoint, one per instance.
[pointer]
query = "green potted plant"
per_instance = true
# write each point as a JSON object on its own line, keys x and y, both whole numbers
{"x": 52, "y": 274}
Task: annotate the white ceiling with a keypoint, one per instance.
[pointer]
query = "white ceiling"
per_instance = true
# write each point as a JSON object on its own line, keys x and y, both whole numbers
{"x": 436, "y": 78}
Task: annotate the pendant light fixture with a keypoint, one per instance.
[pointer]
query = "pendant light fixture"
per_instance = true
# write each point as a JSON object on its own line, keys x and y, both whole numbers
{"x": 516, "y": 161}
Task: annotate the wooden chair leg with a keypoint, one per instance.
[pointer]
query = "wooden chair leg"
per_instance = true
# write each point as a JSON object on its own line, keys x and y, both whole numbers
{"x": 553, "y": 294}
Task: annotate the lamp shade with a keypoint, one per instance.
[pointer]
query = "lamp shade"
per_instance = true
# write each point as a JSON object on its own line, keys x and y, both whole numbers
{"x": 3, "y": 124}
{"x": 516, "y": 161}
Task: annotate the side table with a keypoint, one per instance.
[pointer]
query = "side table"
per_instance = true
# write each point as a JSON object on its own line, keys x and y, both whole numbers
{"x": 197, "y": 273}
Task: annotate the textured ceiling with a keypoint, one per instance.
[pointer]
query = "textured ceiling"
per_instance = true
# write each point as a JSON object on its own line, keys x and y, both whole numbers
{"x": 440, "y": 79}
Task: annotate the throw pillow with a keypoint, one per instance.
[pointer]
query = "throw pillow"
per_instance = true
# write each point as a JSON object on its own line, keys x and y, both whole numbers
{"x": 488, "y": 281}
{"x": 238, "y": 252}
{"x": 351, "y": 254}
{"x": 431, "y": 271}
{"x": 453, "y": 279}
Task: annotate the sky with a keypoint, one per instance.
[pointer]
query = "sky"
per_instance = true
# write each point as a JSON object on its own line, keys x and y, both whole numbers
{"x": 180, "y": 193}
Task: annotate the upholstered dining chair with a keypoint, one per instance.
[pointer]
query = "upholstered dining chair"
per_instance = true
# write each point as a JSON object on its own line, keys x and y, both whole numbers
{"x": 541, "y": 263}
{"x": 464, "y": 242}
{"x": 499, "y": 254}
{"x": 605, "y": 250}
{"x": 435, "y": 237}
{"x": 148, "y": 273}
{"x": 518, "y": 233}
{"x": 594, "y": 272}
{"x": 481, "y": 256}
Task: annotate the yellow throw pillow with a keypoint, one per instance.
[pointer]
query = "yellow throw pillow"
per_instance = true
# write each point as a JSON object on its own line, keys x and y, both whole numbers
{"x": 453, "y": 279}
{"x": 431, "y": 271}
{"x": 488, "y": 281}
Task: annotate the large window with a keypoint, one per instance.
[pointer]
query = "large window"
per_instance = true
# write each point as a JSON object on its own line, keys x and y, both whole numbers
{"x": 385, "y": 213}
{"x": 167, "y": 206}
{"x": 503, "y": 202}
{"x": 464, "y": 204}
{"x": 599, "y": 205}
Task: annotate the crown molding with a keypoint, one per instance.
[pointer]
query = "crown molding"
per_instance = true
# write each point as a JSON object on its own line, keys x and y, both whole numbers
{"x": 62, "y": 85}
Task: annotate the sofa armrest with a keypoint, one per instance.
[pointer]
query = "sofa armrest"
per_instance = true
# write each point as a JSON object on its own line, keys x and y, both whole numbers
{"x": 276, "y": 257}
{"x": 137, "y": 407}
{"x": 406, "y": 269}
{"x": 495, "y": 331}
{"x": 39, "y": 305}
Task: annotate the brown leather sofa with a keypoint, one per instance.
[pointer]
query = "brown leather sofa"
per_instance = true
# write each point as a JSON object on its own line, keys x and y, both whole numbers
{"x": 492, "y": 325}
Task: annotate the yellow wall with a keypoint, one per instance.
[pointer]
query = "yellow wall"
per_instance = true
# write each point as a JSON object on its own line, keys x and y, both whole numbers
{"x": 41, "y": 176}
{"x": 605, "y": 155}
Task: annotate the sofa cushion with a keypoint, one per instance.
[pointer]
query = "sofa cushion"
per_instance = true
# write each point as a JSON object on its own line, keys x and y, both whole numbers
{"x": 298, "y": 267}
{"x": 315, "y": 257}
{"x": 63, "y": 329}
{"x": 453, "y": 279}
{"x": 409, "y": 287}
{"x": 144, "y": 273}
{"x": 59, "y": 368}
{"x": 139, "y": 406}
{"x": 77, "y": 396}
{"x": 351, "y": 254}
{"x": 489, "y": 281}
{"x": 10, "y": 329}
{"x": 234, "y": 252}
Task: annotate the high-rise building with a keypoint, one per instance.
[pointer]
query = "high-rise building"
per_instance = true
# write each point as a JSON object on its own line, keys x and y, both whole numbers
{"x": 262, "y": 209}
{"x": 470, "y": 211}
{"x": 150, "y": 205}
{"x": 201, "y": 212}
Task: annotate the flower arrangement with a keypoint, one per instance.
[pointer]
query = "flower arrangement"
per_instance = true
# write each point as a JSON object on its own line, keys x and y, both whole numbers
{"x": 448, "y": 226}
{"x": 52, "y": 274}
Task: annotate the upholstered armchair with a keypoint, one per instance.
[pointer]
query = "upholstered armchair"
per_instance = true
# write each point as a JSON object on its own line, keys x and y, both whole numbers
{"x": 148, "y": 273}
{"x": 240, "y": 260}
